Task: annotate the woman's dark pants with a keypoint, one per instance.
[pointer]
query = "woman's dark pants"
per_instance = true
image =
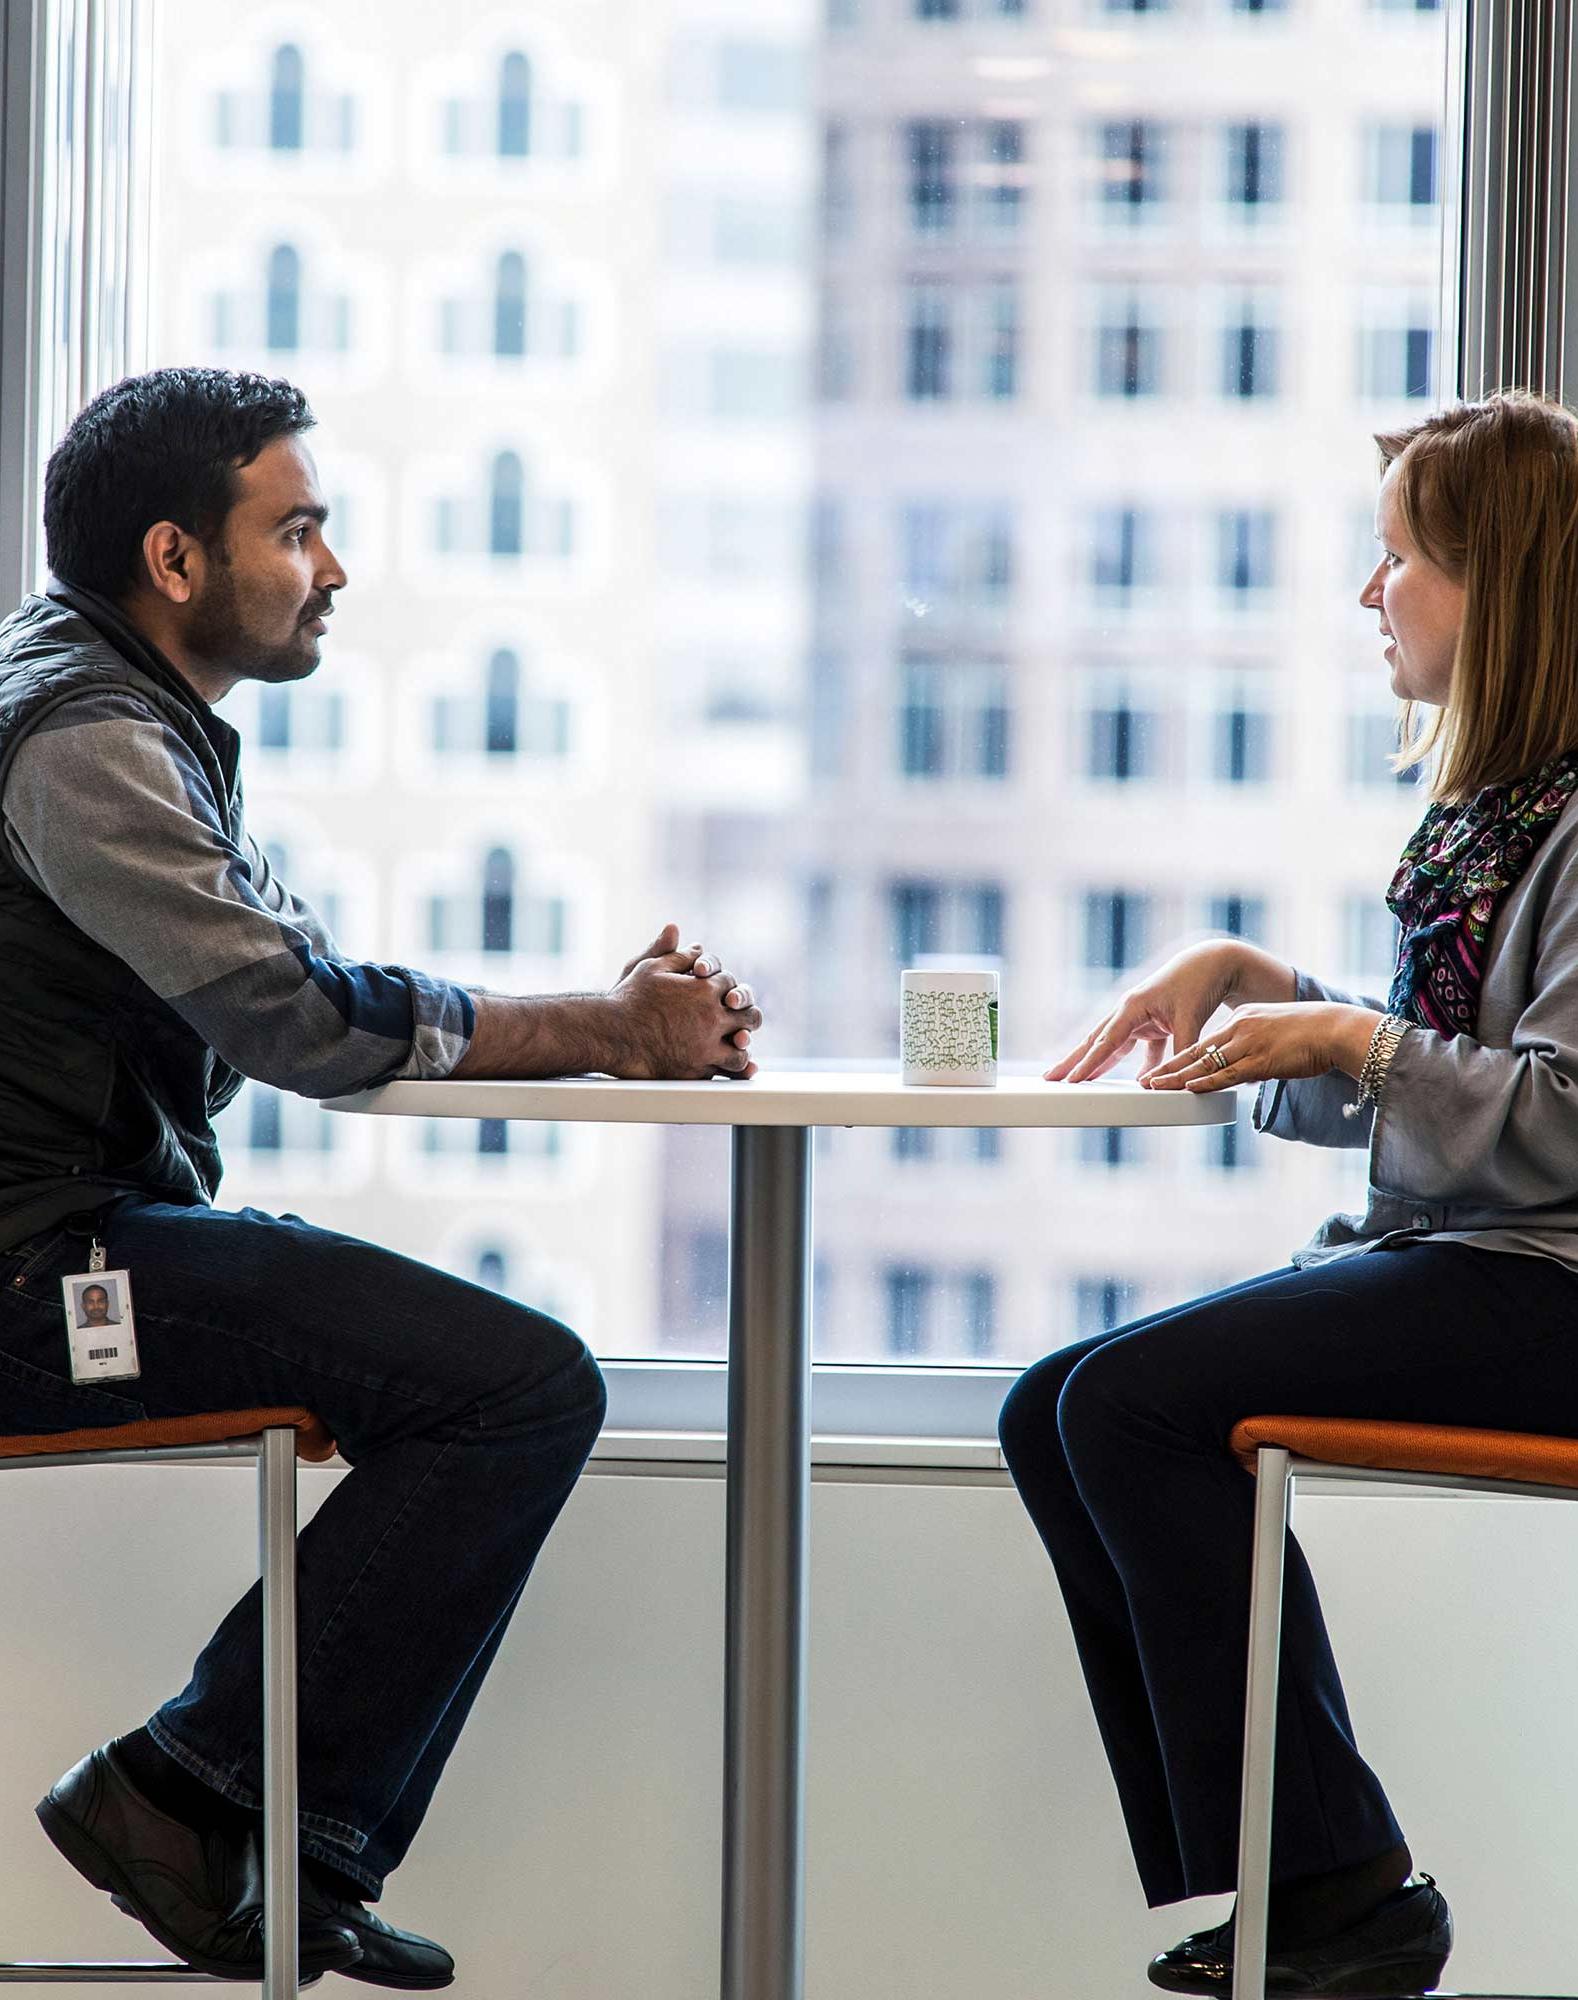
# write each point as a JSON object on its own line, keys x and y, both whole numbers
{"x": 1119, "y": 1449}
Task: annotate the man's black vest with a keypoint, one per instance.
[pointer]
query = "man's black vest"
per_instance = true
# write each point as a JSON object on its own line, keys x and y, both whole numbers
{"x": 104, "y": 1089}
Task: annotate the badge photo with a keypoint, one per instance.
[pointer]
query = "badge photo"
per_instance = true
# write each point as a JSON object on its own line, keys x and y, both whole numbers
{"x": 100, "y": 1326}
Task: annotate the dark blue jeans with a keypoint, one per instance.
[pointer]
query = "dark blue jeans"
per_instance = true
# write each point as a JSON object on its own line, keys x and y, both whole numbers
{"x": 467, "y": 1420}
{"x": 1119, "y": 1449}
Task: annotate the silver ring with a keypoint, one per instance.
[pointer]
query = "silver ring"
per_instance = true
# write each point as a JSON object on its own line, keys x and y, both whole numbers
{"x": 1216, "y": 1055}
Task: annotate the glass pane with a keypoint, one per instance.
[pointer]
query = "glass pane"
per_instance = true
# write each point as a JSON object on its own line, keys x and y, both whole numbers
{"x": 981, "y": 615}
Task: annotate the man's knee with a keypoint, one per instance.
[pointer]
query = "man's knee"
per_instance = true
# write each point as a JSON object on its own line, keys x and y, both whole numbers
{"x": 572, "y": 1391}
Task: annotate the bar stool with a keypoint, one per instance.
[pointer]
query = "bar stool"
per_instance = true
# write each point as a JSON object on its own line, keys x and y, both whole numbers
{"x": 275, "y": 1438}
{"x": 1338, "y": 1451}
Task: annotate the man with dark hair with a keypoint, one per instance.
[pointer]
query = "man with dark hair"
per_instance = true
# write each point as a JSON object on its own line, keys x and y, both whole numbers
{"x": 152, "y": 960}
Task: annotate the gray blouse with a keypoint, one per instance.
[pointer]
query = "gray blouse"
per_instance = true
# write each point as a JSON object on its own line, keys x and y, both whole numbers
{"x": 1475, "y": 1140}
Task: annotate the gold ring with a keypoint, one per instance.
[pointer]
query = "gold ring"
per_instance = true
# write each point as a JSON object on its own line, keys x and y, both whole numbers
{"x": 1216, "y": 1055}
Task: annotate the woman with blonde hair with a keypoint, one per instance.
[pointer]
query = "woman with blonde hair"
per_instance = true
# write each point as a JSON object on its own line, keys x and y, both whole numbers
{"x": 1452, "y": 1299}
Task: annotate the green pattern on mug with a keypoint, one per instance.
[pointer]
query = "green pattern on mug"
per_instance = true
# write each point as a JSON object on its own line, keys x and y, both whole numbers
{"x": 949, "y": 1030}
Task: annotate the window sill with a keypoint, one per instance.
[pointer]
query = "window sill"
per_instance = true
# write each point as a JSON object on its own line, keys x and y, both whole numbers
{"x": 906, "y": 1461}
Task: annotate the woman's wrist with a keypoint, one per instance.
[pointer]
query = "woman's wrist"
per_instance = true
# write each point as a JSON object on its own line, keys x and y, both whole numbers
{"x": 1259, "y": 979}
{"x": 1351, "y": 1031}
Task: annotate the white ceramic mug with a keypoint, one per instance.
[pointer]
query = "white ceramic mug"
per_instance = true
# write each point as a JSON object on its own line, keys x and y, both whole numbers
{"x": 948, "y": 1027}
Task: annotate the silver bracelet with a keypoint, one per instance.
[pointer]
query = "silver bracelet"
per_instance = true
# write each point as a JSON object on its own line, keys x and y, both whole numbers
{"x": 1377, "y": 1060}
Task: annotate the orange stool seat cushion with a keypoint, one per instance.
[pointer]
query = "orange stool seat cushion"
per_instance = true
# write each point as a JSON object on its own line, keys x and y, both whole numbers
{"x": 1451, "y": 1448}
{"x": 313, "y": 1442}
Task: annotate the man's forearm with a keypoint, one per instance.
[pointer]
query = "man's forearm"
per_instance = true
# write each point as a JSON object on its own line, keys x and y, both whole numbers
{"x": 548, "y": 1034}
{"x": 1262, "y": 980}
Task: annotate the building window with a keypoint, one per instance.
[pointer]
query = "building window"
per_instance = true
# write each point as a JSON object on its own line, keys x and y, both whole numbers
{"x": 916, "y": 910}
{"x": 296, "y": 718}
{"x": 1120, "y": 741}
{"x": 1000, "y": 369}
{"x": 928, "y": 349}
{"x": 1240, "y": 744}
{"x": 1110, "y": 1146}
{"x": 493, "y": 1270}
{"x": 1131, "y": 154}
{"x": 909, "y": 1296}
{"x": 1373, "y": 739}
{"x": 502, "y": 715}
{"x": 273, "y": 718}
{"x": 498, "y": 901}
{"x": 1239, "y": 916}
{"x": 283, "y": 316}
{"x": 1401, "y": 166}
{"x": 509, "y": 304}
{"x": 838, "y": 182}
{"x": 503, "y": 704}
{"x": 264, "y": 1125}
{"x": 1117, "y": 930}
{"x": 1396, "y": 346}
{"x": 953, "y": 719}
{"x": 1370, "y": 934}
{"x": 1249, "y": 350}
{"x": 1229, "y": 1148}
{"x": 955, "y": 558}
{"x": 1123, "y": 554}
{"x": 1001, "y": 185}
{"x": 1128, "y": 350}
{"x": 977, "y": 1295}
{"x": 514, "y": 135}
{"x": 507, "y": 505}
{"x": 286, "y": 105}
{"x": 930, "y": 917}
{"x": 1245, "y": 552}
{"x": 1253, "y": 178}
{"x": 1102, "y": 1304}
{"x": 929, "y": 152}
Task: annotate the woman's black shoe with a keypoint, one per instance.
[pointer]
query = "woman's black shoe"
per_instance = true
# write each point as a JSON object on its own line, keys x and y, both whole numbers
{"x": 1400, "y": 1947}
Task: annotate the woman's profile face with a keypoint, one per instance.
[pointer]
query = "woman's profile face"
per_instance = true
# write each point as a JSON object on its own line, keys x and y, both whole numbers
{"x": 1421, "y": 607}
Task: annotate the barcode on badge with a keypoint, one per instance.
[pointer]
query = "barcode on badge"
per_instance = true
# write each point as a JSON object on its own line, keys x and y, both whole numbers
{"x": 102, "y": 1353}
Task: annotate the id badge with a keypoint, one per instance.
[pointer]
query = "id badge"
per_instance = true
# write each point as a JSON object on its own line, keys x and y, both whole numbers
{"x": 99, "y": 1323}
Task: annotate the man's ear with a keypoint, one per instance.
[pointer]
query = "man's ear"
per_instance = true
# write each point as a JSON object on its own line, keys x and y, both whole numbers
{"x": 171, "y": 555}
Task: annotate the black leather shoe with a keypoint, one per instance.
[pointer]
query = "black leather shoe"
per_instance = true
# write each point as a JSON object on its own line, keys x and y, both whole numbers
{"x": 198, "y": 1891}
{"x": 1400, "y": 1947}
{"x": 389, "y": 1957}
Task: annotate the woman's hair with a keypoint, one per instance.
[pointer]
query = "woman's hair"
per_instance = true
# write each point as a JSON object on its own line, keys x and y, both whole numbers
{"x": 1489, "y": 493}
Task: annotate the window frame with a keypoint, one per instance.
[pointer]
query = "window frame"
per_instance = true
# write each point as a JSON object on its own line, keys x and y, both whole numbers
{"x": 1492, "y": 334}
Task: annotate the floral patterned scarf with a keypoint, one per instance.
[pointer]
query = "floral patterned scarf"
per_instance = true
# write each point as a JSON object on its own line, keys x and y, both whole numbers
{"x": 1452, "y": 876}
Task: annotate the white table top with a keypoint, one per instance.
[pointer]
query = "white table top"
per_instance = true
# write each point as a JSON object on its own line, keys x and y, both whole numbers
{"x": 799, "y": 1097}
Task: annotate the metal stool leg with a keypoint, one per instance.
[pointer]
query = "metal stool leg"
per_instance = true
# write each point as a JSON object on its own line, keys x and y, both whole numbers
{"x": 1260, "y": 1723}
{"x": 277, "y": 1552}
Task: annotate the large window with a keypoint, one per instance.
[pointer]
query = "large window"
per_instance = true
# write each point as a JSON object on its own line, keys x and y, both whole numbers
{"x": 877, "y": 489}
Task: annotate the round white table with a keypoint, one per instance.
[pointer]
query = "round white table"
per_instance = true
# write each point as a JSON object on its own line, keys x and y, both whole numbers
{"x": 768, "y": 1452}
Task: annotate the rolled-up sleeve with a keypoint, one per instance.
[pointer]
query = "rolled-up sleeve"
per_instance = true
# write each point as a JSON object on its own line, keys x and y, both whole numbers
{"x": 107, "y": 810}
{"x": 1310, "y": 1108}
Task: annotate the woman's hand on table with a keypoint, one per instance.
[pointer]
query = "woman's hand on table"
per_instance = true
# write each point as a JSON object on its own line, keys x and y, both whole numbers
{"x": 1294, "y": 1039}
{"x": 1174, "y": 1004}
{"x": 686, "y": 1015}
